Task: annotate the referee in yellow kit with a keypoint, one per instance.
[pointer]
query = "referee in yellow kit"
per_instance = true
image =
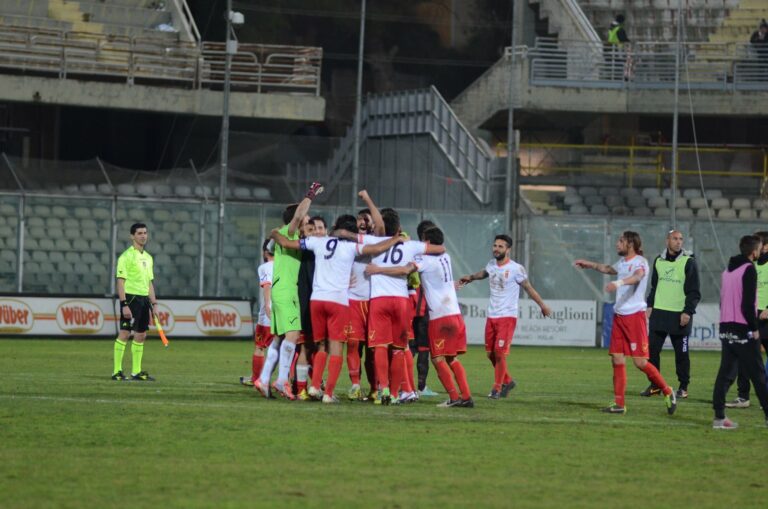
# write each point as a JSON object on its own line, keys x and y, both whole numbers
{"x": 137, "y": 297}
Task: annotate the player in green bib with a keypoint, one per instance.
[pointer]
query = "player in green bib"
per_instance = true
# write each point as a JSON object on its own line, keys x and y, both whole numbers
{"x": 742, "y": 399}
{"x": 672, "y": 303}
{"x": 286, "y": 315}
{"x": 135, "y": 273}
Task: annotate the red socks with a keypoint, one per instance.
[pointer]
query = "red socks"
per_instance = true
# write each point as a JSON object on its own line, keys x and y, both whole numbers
{"x": 353, "y": 362}
{"x": 444, "y": 374}
{"x": 500, "y": 369}
{"x": 256, "y": 364}
{"x": 655, "y": 377}
{"x": 334, "y": 369}
{"x": 397, "y": 370}
{"x": 381, "y": 354}
{"x": 461, "y": 378}
{"x": 619, "y": 383}
{"x": 408, "y": 371}
{"x": 318, "y": 368}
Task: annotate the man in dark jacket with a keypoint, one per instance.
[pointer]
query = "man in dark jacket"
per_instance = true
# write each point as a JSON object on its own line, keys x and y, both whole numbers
{"x": 672, "y": 303}
{"x": 739, "y": 332}
{"x": 742, "y": 401}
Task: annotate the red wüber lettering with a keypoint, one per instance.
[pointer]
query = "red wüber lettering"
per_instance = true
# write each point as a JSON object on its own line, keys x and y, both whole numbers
{"x": 75, "y": 315}
{"x": 10, "y": 315}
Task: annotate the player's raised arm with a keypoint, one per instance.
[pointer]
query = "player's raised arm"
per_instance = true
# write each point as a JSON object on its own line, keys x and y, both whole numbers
{"x": 301, "y": 211}
{"x": 380, "y": 247}
{"x": 533, "y": 294}
{"x": 600, "y": 267}
{"x": 378, "y": 221}
{"x": 284, "y": 241}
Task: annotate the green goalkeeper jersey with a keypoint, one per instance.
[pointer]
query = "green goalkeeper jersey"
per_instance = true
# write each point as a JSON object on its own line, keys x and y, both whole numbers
{"x": 285, "y": 271}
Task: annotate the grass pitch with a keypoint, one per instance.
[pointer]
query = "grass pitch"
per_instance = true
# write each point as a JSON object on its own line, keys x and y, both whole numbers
{"x": 70, "y": 437}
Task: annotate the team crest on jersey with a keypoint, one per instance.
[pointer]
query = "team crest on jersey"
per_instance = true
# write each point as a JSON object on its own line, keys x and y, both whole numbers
{"x": 501, "y": 343}
{"x": 633, "y": 346}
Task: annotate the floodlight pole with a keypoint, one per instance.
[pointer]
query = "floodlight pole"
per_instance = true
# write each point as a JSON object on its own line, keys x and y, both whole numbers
{"x": 510, "y": 183}
{"x": 230, "y": 49}
{"x": 358, "y": 107}
{"x": 675, "y": 119}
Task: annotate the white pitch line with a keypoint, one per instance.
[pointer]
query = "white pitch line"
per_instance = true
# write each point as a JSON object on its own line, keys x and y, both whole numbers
{"x": 407, "y": 413}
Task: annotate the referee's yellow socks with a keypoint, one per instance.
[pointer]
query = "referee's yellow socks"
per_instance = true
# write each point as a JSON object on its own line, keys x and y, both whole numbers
{"x": 119, "y": 351}
{"x": 137, "y": 351}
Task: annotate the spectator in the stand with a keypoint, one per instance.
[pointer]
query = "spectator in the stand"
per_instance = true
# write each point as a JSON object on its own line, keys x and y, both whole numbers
{"x": 617, "y": 53}
{"x": 759, "y": 42}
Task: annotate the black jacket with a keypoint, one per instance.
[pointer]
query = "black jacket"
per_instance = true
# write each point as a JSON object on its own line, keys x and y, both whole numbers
{"x": 669, "y": 321}
{"x": 306, "y": 274}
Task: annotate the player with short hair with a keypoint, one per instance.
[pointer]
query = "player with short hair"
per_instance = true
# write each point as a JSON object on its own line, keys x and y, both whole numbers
{"x": 387, "y": 326}
{"x": 629, "y": 334}
{"x": 419, "y": 347}
{"x": 286, "y": 319}
{"x": 321, "y": 227}
{"x": 447, "y": 332}
{"x": 505, "y": 277}
{"x": 262, "y": 336}
{"x": 330, "y": 297}
{"x": 136, "y": 292}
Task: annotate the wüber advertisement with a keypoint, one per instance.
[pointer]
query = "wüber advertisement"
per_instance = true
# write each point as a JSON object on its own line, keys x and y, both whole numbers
{"x": 99, "y": 317}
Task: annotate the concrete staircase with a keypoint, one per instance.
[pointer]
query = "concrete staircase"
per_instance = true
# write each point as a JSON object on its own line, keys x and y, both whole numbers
{"x": 489, "y": 93}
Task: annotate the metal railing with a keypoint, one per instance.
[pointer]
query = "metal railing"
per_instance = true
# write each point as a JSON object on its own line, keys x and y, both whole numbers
{"x": 647, "y": 65}
{"x": 75, "y": 55}
{"x": 633, "y": 161}
{"x": 402, "y": 114}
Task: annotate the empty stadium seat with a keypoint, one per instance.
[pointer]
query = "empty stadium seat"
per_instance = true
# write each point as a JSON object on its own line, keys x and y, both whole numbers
{"x": 692, "y": 193}
{"x": 760, "y": 203}
{"x": 635, "y": 201}
{"x": 599, "y": 209}
{"x": 657, "y": 202}
{"x": 741, "y": 203}
{"x": 650, "y": 192}
{"x": 63, "y": 245}
{"x": 578, "y": 209}
{"x": 587, "y": 191}
{"x": 145, "y": 189}
{"x": 39, "y": 256}
{"x": 572, "y": 200}
{"x": 82, "y": 212}
{"x": 100, "y": 213}
{"x": 764, "y": 214}
{"x": 592, "y": 200}
{"x": 614, "y": 200}
{"x": 684, "y": 213}
{"x": 105, "y": 189}
{"x": 720, "y": 203}
{"x": 629, "y": 191}
{"x": 47, "y": 244}
{"x": 714, "y": 193}
{"x": 747, "y": 214}
{"x": 667, "y": 193}
{"x": 88, "y": 188}
{"x": 726, "y": 213}
{"x": 163, "y": 190}
{"x": 698, "y": 203}
{"x": 704, "y": 213}
{"x": 182, "y": 190}
{"x": 242, "y": 193}
{"x": 662, "y": 212}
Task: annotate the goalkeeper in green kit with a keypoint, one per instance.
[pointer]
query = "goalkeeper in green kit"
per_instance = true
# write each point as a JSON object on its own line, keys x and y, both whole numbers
{"x": 135, "y": 272}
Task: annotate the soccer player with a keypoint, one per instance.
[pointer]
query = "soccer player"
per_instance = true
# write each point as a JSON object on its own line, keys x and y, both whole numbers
{"x": 447, "y": 332}
{"x": 761, "y": 265}
{"x": 305, "y": 344}
{"x": 387, "y": 326}
{"x": 286, "y": 320}
{"x": 369, "y": 222}
{"x": 330, "y": 297}
{"x": 671, "y": 304}
{"x": 739, "y": 330}
{"x": 505, "y": 277}
{"x": 262, "y": 337}
{"x": 135, "y": 273}
{"x": 629, "y": 334}
{"x": 419, "y": 347}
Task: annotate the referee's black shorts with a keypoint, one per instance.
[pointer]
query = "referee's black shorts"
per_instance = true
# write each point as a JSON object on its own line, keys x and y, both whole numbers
{"x": 140, "y": 309}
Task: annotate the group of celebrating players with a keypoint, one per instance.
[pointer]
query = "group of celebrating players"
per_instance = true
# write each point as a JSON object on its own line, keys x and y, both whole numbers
{"x": 365, "y": 294}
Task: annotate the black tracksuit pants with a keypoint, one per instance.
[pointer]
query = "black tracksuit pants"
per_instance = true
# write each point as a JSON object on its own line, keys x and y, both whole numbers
{"x": 682, "y": 359}
{"x": 739, "y": 355}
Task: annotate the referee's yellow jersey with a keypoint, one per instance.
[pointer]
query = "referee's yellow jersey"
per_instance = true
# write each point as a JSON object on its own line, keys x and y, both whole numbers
{"x": 136, "y": 268}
